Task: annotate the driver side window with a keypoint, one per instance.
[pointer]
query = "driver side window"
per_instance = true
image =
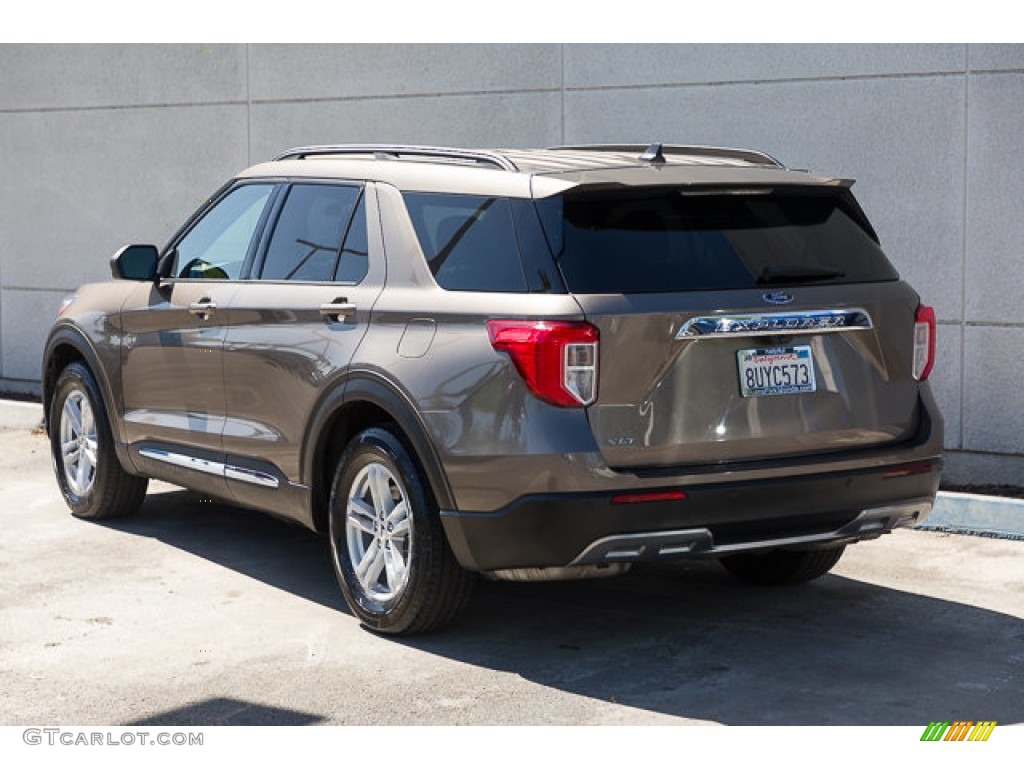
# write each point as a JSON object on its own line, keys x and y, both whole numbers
{"x": 216, "y": 247}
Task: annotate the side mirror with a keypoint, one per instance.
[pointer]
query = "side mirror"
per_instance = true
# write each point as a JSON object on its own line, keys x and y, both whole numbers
{"x": 134, "y": 262}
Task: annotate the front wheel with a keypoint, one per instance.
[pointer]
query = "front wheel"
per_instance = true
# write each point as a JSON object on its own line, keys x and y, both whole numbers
{"x": 91, "y": 478}
{"x": 782, "y": 566}
{"x": 391, "y": 557}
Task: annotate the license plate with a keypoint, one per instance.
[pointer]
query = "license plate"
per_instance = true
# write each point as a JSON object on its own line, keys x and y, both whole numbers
{"x": 779, "y": 371}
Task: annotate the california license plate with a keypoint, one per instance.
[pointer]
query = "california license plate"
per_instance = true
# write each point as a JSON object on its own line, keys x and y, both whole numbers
{"x": 779, "y": 371}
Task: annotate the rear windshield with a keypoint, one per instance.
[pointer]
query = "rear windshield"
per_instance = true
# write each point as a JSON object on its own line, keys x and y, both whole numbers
{"x": 666, "y": 240}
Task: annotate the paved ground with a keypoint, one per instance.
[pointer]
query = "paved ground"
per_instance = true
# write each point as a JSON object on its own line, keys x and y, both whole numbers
{"x": 200, "y": 614}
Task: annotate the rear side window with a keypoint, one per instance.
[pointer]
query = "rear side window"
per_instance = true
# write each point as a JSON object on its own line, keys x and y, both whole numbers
{"x": 307, "y": 240}
{"x": 469, "y": 241}
{"x": 355, "y": 253}
{"x": 665, "y": 240}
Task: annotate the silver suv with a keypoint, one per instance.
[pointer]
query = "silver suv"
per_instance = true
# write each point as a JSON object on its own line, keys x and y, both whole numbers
{"x": 532, "y": 364}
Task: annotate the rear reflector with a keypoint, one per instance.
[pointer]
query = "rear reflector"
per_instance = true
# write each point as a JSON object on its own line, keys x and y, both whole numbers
{"x": 921, "y": 468}
{"x": 635, "y": 498}
{"x": 924, "y": 342}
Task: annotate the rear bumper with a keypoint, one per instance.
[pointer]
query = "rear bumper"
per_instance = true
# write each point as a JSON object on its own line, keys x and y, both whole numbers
{"x": 545, "y": 531}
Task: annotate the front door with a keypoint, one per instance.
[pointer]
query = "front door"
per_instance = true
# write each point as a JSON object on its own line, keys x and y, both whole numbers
{"x": 173, "y": 340}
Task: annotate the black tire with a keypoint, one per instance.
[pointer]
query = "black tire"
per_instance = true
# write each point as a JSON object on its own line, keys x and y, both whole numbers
{"x": 103, "y": 489}
{"x": 782, "y": 566}
{"x": 433, "y": 590}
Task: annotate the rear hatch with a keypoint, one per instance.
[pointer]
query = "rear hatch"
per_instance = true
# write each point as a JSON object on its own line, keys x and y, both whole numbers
{"x": 736, "y": 324}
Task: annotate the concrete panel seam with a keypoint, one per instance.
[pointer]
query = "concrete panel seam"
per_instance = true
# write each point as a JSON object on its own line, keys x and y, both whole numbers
{"x": 35, "y": 288}
{"x": 1014, "y": 71}
{"x": 978, "y": 452}
{"x": 111, "y": 107}
{"x": 770, "y": 81}
{"x": 561, "y": 89}
{"x": 401, "y": 96}
{"x": 248, "y": 103}
{"x": 993, "y": 324}
{"x": 963, "y": 256}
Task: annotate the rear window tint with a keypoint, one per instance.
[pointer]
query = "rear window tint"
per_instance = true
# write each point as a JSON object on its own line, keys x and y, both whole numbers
{"x": 308, "y": 234}
{"x": 469, "y": 241}
{"x": 665, "y": 240}
{"x": 355, "y": 254}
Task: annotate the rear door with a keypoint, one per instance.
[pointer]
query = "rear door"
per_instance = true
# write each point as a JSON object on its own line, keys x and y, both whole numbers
{"x": 737, "y": 324}
{"x": 294, "y": 326}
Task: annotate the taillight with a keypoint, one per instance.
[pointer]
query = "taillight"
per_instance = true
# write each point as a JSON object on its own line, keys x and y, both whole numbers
{"x": 557, "y": 359}
{"x": 924, "y": 342}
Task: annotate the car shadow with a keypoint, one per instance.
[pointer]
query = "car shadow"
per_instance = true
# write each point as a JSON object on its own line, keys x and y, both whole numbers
{"x": 227, "y": 711}
{"x": 275, "y": 551}
{"x": 683, "y": 640}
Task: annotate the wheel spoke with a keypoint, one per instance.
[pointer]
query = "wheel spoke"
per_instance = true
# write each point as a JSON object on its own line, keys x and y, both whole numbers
{"x": 372, "y": 573}
{"x": 380, "y": 490}
{"x": 399, "y": 520}
{"x": 80, "y": 471}
{"x": 394, "y": 564}
{"x": 73, "y": 417}
{"x": 365, "y": 565}
{"x": 88, "y": 424}
{"x": 90, "y": 452}
{"x": 361, "y": 515}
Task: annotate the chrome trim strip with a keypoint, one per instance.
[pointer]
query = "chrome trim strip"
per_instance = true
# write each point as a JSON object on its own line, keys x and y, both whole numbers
{"x": 775, "y": 323}
{"x": 181, "y": 460}
{"x": 250, "y": 476}
{"x": 211, "y": 467}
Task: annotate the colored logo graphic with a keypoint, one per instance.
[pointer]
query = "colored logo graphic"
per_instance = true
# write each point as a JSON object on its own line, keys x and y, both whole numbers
{"x": 965, "y": 730}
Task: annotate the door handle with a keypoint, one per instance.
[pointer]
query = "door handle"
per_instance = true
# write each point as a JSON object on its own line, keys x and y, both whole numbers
{"x": 203, "y": 307}
{"x": 338, "y": 309}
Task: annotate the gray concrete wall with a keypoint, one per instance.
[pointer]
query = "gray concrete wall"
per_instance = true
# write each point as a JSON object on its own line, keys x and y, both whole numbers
{"x": 109, "y": 144}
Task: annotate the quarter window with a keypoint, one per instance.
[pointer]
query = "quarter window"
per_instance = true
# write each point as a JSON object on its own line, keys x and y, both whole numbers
{"x": 469, "y": 241}
{"x": 216, "y": 247}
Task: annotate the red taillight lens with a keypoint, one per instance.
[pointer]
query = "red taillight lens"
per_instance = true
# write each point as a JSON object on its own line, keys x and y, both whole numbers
{"x": 924, "y": 342}
{"x": 557, "y": 359}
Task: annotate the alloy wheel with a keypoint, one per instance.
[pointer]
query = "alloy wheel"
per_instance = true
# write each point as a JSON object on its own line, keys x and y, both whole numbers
{"x": 78, "y": 443}
{"x": 378, "y": 532}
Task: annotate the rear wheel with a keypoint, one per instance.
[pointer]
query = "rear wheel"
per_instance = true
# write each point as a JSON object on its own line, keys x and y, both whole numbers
{"x": 391, "y": 557}
{"x": 91, "y": 478}
{"x": 782, "y": 566}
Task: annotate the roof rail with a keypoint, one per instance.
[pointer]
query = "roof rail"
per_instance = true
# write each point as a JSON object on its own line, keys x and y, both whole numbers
{"x": 750, "y": 155}
{"x": 397, "y": 151}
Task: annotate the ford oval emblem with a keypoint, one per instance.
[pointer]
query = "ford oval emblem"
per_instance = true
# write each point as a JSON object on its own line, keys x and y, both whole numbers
{"x": 778, "y": 297}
